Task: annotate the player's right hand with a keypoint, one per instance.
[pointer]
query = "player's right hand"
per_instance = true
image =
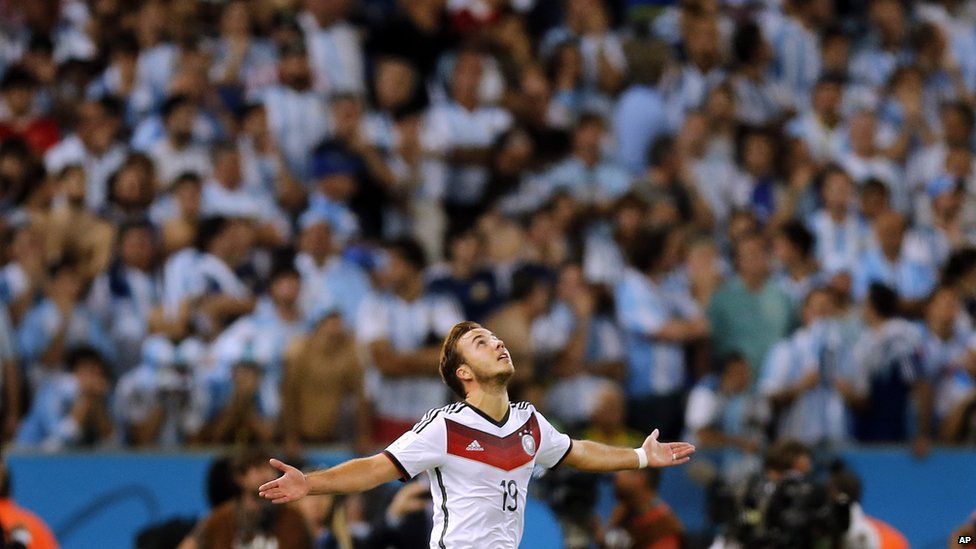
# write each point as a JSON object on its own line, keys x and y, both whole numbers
{"x": 290, "y": 486}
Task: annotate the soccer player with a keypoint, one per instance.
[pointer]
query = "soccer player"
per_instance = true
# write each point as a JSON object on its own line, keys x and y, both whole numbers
{"x": 479, "y": 453}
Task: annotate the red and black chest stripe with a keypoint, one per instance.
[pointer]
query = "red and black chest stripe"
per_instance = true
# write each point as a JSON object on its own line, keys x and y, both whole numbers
{"x": 505, "y": 453}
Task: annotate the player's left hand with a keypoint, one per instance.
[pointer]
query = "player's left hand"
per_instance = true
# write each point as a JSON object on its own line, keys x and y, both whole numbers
{"x": 666, "y": 454}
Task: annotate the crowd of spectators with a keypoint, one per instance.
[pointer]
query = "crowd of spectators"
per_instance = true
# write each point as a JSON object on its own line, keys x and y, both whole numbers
{"x": 234, "y": 222}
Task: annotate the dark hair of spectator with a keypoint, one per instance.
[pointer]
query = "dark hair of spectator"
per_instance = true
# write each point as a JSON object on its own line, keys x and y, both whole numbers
{"x": 125, "y": 44}
{"x": 210, "y": 228}
{"x": 747, "y": 43}
{"x": 174, "y": 103}
{"x": 660, "y": 150}
{"x": 730, "y": 358}
{"x": 248, "y": 458}
{"x": 84, "y": 353}
{"x": 187, "y": 178}
{"x": 647, "y": 250}
{"x": 959, "y": 265}
{"x": 284, "y": 270}
{"x": 526, "y": 280}
{"x": 66, "y": 263}
{"x": 782, "y": 456}
{"x": 410, "y": 251}
{"x": 844, "y": 481}
{"x": 451, "y": 357}
{"x": 875, "y": 185}
{"x": 883, "y": 300}
{"x": 798, "y": 235}
{"x": 221, "y": 487}
{"x": 963, "y": 110}
{"x": 17, "y": 78}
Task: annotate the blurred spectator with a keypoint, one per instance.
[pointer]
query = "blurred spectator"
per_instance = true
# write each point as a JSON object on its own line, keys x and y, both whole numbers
{"x": 647, "y": 521}
{"x": 328, "y": 279}
{"x": 750, "y": 312}
{"x": 58, "y": 323}
{"x": 657, "y": 323}
{"x": 811, "y": 384}
{"x": 464, "y": 277}
{"x": 334, "y": 47}
{"x": 296, "y": 115}
{"x": 530, "y": 298}
{"x": 402, "y": 326}
{"x": 460, "y": 131}
{"x": 608, "y": 419}
{"x": 640, "y": 117}
{"x": 176, "y": 151}
{"x": 888, "y": 264}
{"x": 21, "y": 119}
{"x": 244, "y": 403}
{"x": 889, "y": 354}
{"x": 19, "y": 524}
{"x": 204, "y": 278}
{"x": 323, "y": 388}
{"x": 123, "y": 297}
{"x": 71, "y": 409}
{"x": 74, "y": 231}
{"x": 93, "y": 145}
{"x": 798, "y": 272}
{"x": 586, "y": 175}
{"x": 247, "y": 520}
{"x": 723, "y": 413}
{"x": 164, "y": 400}
{"x": 841, "y": 237}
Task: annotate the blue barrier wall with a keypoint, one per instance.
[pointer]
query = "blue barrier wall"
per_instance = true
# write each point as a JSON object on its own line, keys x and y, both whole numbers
{"x": 108, "y": 497}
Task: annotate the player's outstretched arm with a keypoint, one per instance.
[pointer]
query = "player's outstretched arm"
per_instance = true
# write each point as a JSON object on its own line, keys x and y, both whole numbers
{"x": 353, "y": 476}
{"x": 587, "y": 455}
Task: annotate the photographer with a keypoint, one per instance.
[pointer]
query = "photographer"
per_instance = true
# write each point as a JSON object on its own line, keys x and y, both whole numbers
{"x": 784, "y": 508}
{"x": 161, "y": 401}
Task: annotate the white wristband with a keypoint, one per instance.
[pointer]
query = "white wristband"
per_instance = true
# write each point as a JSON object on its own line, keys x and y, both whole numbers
{"x": 641, "y": 458}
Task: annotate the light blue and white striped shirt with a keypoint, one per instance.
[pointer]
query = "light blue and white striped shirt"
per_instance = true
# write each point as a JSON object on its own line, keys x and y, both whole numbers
{"x": 336, "y": 56}
{"x": 654, "y": 367}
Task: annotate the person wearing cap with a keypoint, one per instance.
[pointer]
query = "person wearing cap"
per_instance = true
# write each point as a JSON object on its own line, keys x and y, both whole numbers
{"x": 162, "y": 401}
{"x": 328, "y": 279}
{"x": 335, "y": 174}
{"x": 322, "y": 376}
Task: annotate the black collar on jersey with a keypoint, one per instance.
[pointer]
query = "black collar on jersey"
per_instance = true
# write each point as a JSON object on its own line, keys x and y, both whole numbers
{"x": 490, "y": 419}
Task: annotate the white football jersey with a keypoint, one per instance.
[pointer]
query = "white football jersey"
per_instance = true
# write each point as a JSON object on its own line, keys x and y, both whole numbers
{"x": 479, "y": 470}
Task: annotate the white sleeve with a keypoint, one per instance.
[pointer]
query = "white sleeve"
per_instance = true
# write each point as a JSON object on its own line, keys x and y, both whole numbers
{"x": 776, "y": 370}
{"x": 371, "y": 322}
{"x": 554, "y": 446}
{"x": 702, "y": 409}
{"x": 421, "y": 448}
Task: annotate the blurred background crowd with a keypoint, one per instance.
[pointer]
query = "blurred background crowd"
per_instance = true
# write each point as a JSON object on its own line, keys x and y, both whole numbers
{"x": 243, "y": 222}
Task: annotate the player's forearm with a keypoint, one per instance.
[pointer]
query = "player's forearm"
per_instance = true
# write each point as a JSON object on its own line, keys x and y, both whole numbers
{"x": 594, "y": 457}
{"x": 353, "y": 476}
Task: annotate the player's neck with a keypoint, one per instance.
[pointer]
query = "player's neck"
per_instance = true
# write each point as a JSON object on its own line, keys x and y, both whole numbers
{"x": 492, "y": 403}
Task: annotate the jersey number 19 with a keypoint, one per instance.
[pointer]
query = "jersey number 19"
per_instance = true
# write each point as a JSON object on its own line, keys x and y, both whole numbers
{"x": 509, "y": 491}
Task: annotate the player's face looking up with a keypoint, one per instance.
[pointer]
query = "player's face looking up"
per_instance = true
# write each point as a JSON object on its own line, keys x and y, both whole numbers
{"x": 486, "y": 360}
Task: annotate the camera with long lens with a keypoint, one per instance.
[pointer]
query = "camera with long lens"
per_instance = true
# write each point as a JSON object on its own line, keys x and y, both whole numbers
{"x": 795, "y": 512}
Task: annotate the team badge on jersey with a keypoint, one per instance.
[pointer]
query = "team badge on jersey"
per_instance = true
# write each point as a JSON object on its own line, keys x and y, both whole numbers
{"x": 528, "y": 444}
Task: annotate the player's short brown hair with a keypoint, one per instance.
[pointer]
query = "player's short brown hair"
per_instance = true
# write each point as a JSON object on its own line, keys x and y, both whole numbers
{"x": 451, "y": 356}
